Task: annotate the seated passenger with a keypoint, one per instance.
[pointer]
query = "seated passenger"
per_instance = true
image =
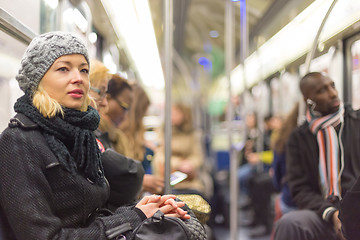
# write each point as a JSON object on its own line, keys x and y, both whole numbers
{"x": 247, "y": 168}
{"x": 278, "y": 167}
{"x": 139, "y": 149}
{"x": 120, "y": 97}
{"x": 186, "y": 154}
{"x": 125, "y": 175}
{"x": 260, "y": 184}
{"x": 51, "y": 181}
{"x": 322, "y": 162}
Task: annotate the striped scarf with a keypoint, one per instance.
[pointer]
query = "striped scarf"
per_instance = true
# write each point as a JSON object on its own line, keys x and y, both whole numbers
{"x": 330, "y": 167}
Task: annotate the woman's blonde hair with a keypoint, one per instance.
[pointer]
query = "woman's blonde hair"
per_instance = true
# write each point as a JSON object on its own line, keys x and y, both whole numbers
{"x": 98, "y": 72}
{"x": 49, "y": 107}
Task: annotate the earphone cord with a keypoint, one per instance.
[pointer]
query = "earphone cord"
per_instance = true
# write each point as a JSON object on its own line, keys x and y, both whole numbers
{"x": 341, "y": 152}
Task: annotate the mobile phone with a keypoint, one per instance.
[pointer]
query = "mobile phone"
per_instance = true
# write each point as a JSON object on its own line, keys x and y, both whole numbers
{"x": 177, "y": 177}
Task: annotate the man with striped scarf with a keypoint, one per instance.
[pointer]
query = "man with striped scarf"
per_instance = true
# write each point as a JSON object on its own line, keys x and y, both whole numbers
{"x": 322, "y": 162}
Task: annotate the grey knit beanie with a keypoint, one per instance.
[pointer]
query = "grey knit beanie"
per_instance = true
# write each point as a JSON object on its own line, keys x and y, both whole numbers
{"x": 42, "y": 52}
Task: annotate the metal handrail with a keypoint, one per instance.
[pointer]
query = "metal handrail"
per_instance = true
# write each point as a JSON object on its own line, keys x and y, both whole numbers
{"x": 309, "y": 57}
{"x": 15, "y": 28}
{"x": 168, "y": 79}
{"x": 229, "y": 60}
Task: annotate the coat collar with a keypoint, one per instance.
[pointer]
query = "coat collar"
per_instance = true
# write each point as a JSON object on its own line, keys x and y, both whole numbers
{"x": 20, "y": 120}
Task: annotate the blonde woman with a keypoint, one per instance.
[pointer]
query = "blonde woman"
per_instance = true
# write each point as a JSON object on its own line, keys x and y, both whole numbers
{"x": 51, "y": 178}
{"x": 99, "y": 77}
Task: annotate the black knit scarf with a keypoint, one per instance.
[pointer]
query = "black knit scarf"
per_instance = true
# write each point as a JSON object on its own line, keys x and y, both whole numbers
{"x": 70, "y": 138}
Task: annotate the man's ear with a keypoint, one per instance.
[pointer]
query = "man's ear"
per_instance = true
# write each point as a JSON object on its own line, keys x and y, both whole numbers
{"x": 305, "y": 98}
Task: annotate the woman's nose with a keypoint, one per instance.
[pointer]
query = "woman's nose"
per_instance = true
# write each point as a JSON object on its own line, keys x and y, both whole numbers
{"x": 77, "y": 77}
{"x": 104, "y": 102}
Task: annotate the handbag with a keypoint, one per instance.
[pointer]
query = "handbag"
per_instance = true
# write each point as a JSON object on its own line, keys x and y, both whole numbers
{"x": 161, "y": 227}
{"x": 198, "y": 205}
{"x": 125, "y": 177}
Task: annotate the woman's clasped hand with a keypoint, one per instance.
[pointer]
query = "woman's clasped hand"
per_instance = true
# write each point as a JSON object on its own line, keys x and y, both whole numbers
{"x": 166, "y": 204}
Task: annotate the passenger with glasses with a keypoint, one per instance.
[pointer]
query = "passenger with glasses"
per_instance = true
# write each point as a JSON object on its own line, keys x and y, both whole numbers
{"x": 125, "y": 106}
{"x": 119, "y": 99}
{"x": 99, "y": 76}
{"x": 101, "y": 92}
{"x": 125, "y": 185}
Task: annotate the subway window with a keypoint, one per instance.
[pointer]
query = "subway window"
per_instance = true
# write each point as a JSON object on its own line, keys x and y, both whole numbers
{"x": 355, "y": 73}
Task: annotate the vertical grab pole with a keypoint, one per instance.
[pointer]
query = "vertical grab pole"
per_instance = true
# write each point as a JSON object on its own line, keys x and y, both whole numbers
{"x": 229, "y": 59}
{"x": 244, "y": 35}
{"x": 234, "y": 156}
{"x": 168, "y": 78}
{"x": 311, "y": 54}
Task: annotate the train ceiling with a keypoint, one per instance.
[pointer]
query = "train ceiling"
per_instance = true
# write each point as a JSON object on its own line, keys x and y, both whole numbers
{"x": 199, "y": 28}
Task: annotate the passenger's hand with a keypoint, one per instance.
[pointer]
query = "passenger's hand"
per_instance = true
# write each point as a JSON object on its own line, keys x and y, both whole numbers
{"x": 156, "y": 199}
{"x": 150, "y": 204}
{"x": 188, "y": 168}
{"x": 271, "y": 172}
{"x": 337, "y": 225}
{"x": 172, "y": 208}
{"x": 249, "y": 146}
{"x": 153, "y": 184}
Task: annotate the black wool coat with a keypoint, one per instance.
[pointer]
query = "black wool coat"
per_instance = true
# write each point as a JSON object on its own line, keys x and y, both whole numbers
{"x": 41, "y": 200}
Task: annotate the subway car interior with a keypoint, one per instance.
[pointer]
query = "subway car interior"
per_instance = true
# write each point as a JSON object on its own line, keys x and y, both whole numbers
{"x": 236, "y": 64}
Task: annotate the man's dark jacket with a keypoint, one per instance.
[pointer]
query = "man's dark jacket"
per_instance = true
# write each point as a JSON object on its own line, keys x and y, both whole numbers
{"x": 349, "y": 212}
{"x": 303, "y": 163}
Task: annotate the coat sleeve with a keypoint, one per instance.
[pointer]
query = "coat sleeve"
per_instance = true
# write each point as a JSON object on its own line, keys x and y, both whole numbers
{"x": 25, "y": 194}
{"x": 349, "y": 212}
{"x": 303, "y": 183}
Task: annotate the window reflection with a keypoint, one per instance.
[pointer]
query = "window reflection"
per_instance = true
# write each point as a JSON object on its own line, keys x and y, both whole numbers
{"x": 355, "y": 52}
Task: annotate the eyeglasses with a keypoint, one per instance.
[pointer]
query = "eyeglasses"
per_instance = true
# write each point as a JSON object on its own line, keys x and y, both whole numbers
{"x": 122, "y": 104}
{"x": 102, "y": 94}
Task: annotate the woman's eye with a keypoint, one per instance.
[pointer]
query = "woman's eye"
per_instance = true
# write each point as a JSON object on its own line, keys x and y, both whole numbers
{"x": 85, "y": 70}
{"x": 62, "y": 69}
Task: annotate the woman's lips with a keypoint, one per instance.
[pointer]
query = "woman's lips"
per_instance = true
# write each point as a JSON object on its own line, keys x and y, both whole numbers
{"x": 77, "y": 93}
